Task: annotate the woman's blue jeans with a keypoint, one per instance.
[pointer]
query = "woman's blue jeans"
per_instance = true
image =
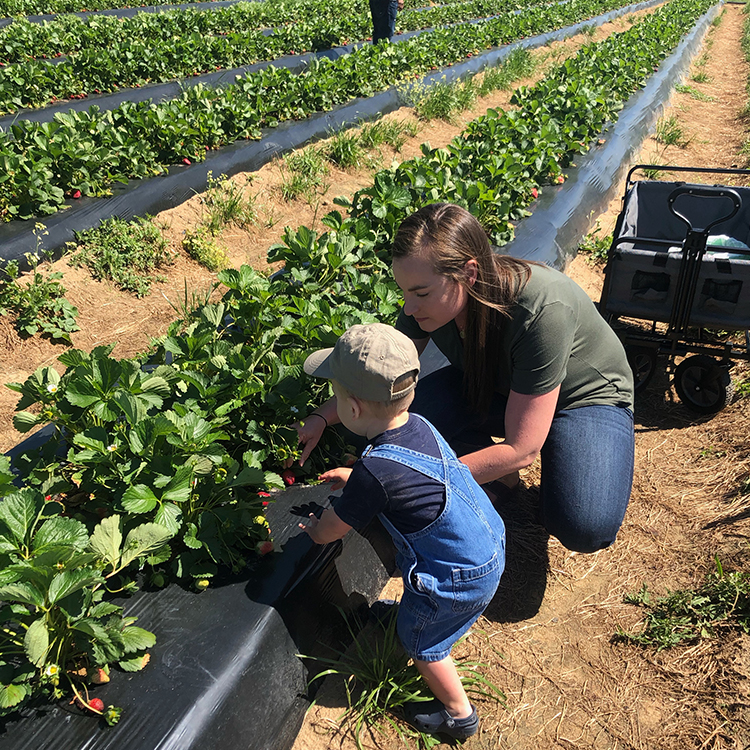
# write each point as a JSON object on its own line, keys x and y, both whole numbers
{"x": 587, "y": 459}
{"x": 383, "y": 19}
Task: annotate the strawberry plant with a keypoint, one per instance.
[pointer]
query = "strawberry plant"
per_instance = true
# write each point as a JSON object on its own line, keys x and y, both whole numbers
{"x": 59, "y": 627}
{"x": 38, "y": 303}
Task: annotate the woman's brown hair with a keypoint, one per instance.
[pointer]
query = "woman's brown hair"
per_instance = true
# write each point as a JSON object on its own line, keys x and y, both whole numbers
{"x": 449, "y": 236}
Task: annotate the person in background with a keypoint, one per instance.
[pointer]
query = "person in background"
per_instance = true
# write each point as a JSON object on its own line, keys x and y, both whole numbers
{"x": 450, "y": 542}
{"x": 383, "y": 14}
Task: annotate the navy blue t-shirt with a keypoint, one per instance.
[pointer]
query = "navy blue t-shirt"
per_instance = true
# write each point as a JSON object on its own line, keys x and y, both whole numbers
{"x": 415, "y": 500}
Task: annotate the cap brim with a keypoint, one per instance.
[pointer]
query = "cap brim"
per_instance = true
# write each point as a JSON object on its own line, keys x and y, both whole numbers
{"x": 318, "y": 364}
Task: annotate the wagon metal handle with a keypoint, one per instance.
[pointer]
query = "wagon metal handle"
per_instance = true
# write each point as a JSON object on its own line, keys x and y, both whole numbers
{"x": 708, "y": 191}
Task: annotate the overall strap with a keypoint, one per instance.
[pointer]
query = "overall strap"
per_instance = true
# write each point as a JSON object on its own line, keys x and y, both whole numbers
{"x": 435, "y": 468}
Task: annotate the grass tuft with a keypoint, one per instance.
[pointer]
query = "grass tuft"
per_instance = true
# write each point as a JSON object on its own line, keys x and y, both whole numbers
{"x": 379, "y": 679}
{"x": 694, "y": 92}
{"x": 670, "y": 132}
{"x": 303, "y": 174}
{"x": 225, "y": 204}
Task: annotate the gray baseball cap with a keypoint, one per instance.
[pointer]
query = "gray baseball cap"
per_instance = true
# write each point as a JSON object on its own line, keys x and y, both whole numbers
{"x": 368, "y": 360}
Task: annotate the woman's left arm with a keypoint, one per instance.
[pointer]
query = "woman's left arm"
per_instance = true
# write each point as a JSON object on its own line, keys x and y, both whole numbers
{"x": 527, "y": 423}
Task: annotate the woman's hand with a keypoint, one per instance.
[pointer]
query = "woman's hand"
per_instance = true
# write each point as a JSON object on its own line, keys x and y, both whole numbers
{"x": 309, "y": 431}
{"x": 339, "y": 476}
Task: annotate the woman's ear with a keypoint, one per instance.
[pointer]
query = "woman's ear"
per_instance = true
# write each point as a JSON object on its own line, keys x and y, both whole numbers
{"x": 471, "y": 269}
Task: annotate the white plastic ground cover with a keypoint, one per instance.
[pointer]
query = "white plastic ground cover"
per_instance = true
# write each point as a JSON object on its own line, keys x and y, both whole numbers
{"x": 141, "y": 197}
{"x": 565, "y": 213}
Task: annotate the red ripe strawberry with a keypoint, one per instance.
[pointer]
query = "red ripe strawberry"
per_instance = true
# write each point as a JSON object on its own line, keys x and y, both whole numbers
{"x": 261, "y": 493}
{"x": 288, "y": 476}
{"x": 560, "y": 179}
{"x": 76, "y": 194}
{"x": 96, "y": 704}
{"x": 263, "y": 548}
{"x": 534, "y": 192}
{"x": 186, "y": 161}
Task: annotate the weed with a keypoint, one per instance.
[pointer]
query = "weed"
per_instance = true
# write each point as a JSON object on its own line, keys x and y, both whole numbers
{"x": 701, "y": 77}
{"x": 125, "y": 253}
{"x": 652, "y": 173}
{"x": 742, "y": 388}
{"x": 588, "y": 30}
{"x": 38, "y": 302}
{"x": 722, "y": 601}
{"x": 694, "y": 92}
{"x": 389, "y": 132}
{"x": 380, "y": 679}
{"x": 344, "y": 149}
{"x": 202, "y": 246}
{"x": 441, "y": 100}
{"x": 303, "y": 174}
{"x": 712, "y": 452}
{"x": 518, "y": 64}
{"x": 669, "y": 131}
{"x": 225, "y": 203}
{"x": 190, "y": 303}
{"x": 595, "y": 248}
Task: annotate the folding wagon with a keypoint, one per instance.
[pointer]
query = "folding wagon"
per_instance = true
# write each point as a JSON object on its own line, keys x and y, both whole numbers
{"x": 680, "y": 260}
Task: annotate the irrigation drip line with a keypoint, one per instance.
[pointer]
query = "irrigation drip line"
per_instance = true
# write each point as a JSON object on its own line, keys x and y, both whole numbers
{"x": 141, "y": 197}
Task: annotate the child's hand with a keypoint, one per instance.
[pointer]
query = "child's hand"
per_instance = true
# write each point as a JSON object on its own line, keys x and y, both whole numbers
{"x": 339, "y": 476}
{"x": 312, "y": 522}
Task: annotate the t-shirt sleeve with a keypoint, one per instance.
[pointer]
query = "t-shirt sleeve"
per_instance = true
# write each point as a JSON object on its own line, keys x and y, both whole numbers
{"x": 541, "y": 349}
{"x": 362, "y": 498}
{"x": 408, "y": 326}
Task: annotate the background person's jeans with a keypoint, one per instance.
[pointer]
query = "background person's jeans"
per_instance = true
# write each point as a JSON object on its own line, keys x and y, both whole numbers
{"x": 587, "y": 459}
{"x": 383, "y": 19}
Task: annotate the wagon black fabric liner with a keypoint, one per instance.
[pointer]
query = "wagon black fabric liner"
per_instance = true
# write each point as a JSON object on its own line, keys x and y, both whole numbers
{"x": 642, "y": 277}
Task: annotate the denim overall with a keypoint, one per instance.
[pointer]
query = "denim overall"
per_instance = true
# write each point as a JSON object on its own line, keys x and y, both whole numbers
{"x": 451, "y": 568}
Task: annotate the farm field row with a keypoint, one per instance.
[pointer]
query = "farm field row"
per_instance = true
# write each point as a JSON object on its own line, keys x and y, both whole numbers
{"x": 180, "y": 448}
{"x": 47, "y": 163}
{"x": 24, "y": 40}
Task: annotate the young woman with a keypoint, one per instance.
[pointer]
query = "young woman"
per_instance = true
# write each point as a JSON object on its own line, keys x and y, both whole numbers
{"x": 531, "y": 361}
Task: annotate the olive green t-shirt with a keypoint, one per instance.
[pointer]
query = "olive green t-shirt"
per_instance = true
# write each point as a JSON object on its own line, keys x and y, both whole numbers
{"x": 555, "y": 336}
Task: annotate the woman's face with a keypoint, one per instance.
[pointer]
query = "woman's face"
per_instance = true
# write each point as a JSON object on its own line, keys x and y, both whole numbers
{"x": 431, "y": 299}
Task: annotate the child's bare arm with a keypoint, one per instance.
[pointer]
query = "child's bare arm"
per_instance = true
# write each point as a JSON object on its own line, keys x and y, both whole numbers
{"x": 328, "y": 529}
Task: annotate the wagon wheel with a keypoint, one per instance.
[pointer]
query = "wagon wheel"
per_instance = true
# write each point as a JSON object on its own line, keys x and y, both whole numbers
{"x": 642, "y": 361}
{"x": 701, "y": 384}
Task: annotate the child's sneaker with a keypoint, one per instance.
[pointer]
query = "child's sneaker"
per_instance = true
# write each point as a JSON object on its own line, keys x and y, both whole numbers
{"x": 432, "y": 718}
